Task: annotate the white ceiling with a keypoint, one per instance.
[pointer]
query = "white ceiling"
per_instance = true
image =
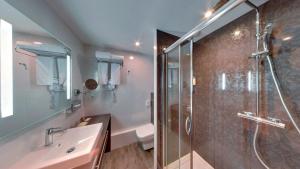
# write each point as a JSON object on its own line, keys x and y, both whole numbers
{"x": 117, "y": 24}
{"x": 19, "y": 21}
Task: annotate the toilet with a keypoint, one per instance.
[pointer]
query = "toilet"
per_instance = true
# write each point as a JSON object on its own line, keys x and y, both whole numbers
{"x": 145, "y": 135}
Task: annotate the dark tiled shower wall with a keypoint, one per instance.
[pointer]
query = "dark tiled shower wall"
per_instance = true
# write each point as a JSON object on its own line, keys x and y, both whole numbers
{"x": 219, "y": 136}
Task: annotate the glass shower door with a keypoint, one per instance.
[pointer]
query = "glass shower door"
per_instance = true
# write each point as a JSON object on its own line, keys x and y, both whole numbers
{"x": 172, "y": 110}
{"x": 178, "y": 107}
{"x": 185, "y": 114}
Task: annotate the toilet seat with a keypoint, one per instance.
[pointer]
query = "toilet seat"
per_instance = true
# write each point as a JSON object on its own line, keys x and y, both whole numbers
{"x": 145, "y": 132}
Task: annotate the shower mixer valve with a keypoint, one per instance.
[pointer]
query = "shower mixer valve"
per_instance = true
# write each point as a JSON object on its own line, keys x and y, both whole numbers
{"x": 275, "y": 120}
{"x": 269, "y": 121}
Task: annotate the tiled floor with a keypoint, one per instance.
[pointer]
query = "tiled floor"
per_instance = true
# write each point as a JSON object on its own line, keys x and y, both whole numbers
{"x": 128, "y": 157}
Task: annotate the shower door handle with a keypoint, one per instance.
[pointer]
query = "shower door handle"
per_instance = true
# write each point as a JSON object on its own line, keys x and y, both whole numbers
{"x": 188, "y": 125}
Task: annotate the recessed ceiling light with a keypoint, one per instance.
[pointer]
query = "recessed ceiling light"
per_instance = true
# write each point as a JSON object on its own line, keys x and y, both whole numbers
{"x": 237, "y": 33}
{"x": 208, "y": 13}
{"x": 154, "y": 47}
{"x": 37, "y": 43}
{"x": 164, "y": 48}
{"x": 137, "y": 43}
{"x": 131, "y": 57}
{"x": 287, "y": 38}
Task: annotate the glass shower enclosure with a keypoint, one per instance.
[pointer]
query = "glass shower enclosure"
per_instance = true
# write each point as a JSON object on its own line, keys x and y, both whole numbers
{"x": 232, "y": 114}
{"x": 178, "y": 101}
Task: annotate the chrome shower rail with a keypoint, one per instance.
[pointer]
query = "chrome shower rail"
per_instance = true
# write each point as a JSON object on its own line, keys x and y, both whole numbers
{"x": 270, "y": 121}
{"x": 204, "y": 24}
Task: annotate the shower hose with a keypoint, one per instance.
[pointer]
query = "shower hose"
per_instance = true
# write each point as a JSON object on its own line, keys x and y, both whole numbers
{"x": 276, "y": 82}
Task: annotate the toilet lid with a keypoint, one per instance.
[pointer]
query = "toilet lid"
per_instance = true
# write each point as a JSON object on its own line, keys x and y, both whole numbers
{"x": 145, "y": 130}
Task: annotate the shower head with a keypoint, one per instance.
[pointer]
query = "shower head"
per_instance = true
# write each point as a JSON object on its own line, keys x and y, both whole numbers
{"x": 268, "y": 28}
{"x": 266, "y": 36}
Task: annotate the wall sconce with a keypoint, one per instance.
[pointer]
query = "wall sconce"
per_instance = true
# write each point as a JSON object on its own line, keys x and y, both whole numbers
{"x": 69, "y": 74}
{"x": 6, "y": 55}
{"x": 249, "y": 81}
{"x": 223, "y": 81}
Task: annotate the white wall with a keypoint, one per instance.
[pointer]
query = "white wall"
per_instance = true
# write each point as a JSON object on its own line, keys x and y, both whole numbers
{"x": 23, "y": 143}
{"x": 129, "y": 110}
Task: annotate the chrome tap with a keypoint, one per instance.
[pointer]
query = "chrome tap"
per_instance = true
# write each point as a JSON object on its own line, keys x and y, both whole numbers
{"x": 49, "y": 134}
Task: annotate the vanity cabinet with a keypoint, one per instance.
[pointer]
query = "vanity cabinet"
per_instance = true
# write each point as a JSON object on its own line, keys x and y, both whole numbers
{"x": 104, "y": 143}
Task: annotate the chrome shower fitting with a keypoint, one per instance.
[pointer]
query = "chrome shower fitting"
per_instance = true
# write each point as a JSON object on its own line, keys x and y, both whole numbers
{"x": 266, "y": 41}
{"x": 265, "y": 54}
{"x": 268, "y": 121}
{"x": 265, "y": 37}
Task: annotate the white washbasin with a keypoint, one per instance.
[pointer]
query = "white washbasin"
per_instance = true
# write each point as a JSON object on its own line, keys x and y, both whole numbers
{"x": 82, "y": 140}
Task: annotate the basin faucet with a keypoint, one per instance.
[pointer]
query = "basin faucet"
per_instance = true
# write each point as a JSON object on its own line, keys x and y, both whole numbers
{"x": 49, "y": 134}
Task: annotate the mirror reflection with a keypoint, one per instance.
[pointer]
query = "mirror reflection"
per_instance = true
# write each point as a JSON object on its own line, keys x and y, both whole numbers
{"x": 35, "y": 71}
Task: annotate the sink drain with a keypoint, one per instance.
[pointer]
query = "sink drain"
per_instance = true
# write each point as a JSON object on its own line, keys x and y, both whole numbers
{"x": 70, "y": 150}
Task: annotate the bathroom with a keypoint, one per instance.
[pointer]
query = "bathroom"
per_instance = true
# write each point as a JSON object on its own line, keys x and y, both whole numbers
{"x": 130, "y": 84}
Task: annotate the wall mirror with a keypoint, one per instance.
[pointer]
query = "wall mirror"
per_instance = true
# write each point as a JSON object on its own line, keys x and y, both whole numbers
{"x": 35, "y": 78}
